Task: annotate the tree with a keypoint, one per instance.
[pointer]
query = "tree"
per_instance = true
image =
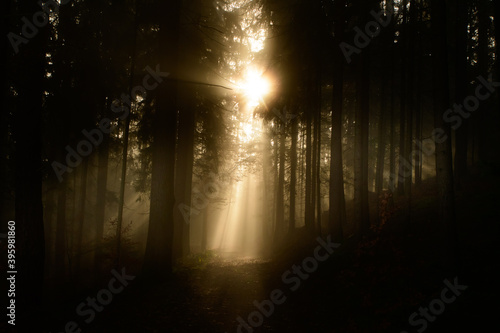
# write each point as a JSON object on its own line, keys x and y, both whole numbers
{"x": 336, "y": 190}
{"x": 27, "y": 131}
{"x": 444, "y": 170}
{"x": 158, "y": 256}
{"x": 460, "y": 60}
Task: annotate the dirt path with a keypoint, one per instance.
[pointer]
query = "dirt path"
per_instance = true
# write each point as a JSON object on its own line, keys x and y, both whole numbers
{"x": 207, "y": 299}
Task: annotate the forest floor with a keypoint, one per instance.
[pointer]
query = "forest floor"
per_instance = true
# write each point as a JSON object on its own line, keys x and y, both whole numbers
{"x": 374, "y": 285}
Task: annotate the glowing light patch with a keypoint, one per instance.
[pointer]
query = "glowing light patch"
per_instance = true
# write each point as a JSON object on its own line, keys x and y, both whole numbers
{"x": 255, "y": 87}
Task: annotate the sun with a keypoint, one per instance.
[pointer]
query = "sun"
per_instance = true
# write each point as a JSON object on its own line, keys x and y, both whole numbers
{"x": 255, "y": 87}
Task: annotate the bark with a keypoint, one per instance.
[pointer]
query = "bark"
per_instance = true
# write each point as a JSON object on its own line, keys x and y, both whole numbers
{"x": 293, "y": 176}
{"x": 80, "y": 218}
{"x": 318, "y": 170}
{"x": 314, "y": 175}
{"x": 336, "y": 191}
{"x": 27, "y": 132}
{"x": 361, "y": 146}
{"x": 496, "y": 10}
{"x": 280, "y": 200}
{"x": 444, "y": 172}
{"x": 483, "y": 65}
{"x": 461, "y": 134}
{"x": 392, "y": 151}
{"x": 382, "y": 143}
{"x": 309, "y": 210}
{"x": 126, "y": 131}
{"x": 184, "y": 173}
{"x": 102, "y": 180}
{"x": 60, "y": 241}
{"x": 410, "y": 106}
{"x": 158, "y": 255}
{"x": 204, "y": 229}
{"x": 418, "y": 108}
{"x": 403, "y": 170}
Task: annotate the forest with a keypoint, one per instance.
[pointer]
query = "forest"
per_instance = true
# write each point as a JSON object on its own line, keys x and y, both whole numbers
{"x": 250, "y": 166}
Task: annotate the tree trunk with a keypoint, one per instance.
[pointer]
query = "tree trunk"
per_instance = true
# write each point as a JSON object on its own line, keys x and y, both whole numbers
{"x": 483, "y": 65}
{"x": 126, "y": 131}
{"x": 27, "y": 132}
{"x": 392, "y": 79}
{"x": 184, "y": 180}
{"x": 293, "y": 176}
{"x": 418, "y": 159}
{"x": 309, "y": 210}
{"x": 336, "y": 191}
{"x": 461, "y": 63}
{"x": 382, "y": 141}
{"x": 496, "y": 9}
{"x": 280, "y": 200}
{"x": 318, "y": 169}
{"x": 60, "y": 243}
{"x": 361, "y": 145}
{"x": 102, "y": 180}
{"x": 444, "y": 172}
{"x": 158, "y": 255}
{"x": 80, "y": 220}
{"x": 314, "y": 162}
{"x": 403, "y": 163}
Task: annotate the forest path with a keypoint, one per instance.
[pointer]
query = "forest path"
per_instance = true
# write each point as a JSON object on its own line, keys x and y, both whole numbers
{"x": 204, "y": 298}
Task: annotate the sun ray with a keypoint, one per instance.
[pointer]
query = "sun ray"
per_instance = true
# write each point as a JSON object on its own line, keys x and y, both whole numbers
{"x": 255, "y": 87}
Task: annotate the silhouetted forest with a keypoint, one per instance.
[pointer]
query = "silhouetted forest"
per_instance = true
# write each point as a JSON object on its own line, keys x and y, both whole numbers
{"x": 250, "y": 166}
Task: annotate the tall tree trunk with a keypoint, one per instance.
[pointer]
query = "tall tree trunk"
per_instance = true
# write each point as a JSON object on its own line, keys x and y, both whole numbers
{"x": 444, "y": 171}
{"x": 80, "y": 220}
{"x": 60, "y": 242}
{"x": 126, "y": 131}
{"x": 302, "y": 173}
{"x": 496, "y": 9}
{"x": 418, "y": 159}
{"x": 100, "y": 208}
{"x": 410, "y": 49}
{"x": 266, "y": 166}
{"x": 361, "y": 145}
{"x": 382, "y": 142}
{"x": 403, "y": 163}
{"x": 27, "y": 132}
{"x": 314, "y": 172}
{"x": 309, "y": 210}
{"x": 460, "y": 53}
{"x": 392, "y": 134}
{"x": 184, "y": 179}
{"x": 318, "y": 170}
{"x": 336, "y": 191}
{"x": 158, "y": 255}
{"x": 484, "y": 24}
{"x": 280, "y": 200}
{"x": 204, "y": 229}
{"x": 293, "y": 176}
